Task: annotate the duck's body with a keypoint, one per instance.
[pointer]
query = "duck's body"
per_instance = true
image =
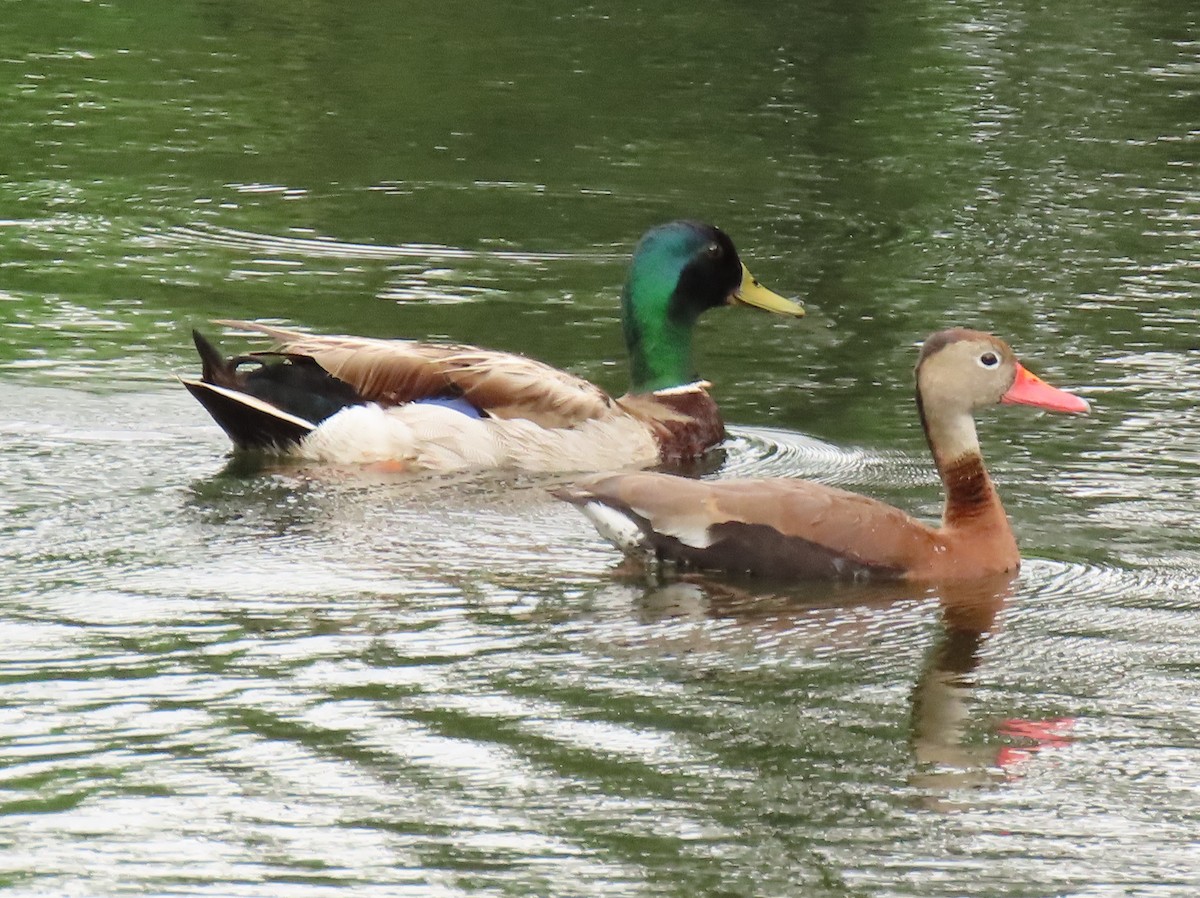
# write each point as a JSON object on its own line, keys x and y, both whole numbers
{"x": 438, "y": 407}
{"x": 423, "y": 406}
{"x": 795, "y": 529}
{"x": 787, "y": 529}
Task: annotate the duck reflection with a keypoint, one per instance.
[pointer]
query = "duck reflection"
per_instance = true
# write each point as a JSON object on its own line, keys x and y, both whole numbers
{"x": 950, "y": 761}
{"x": 947, "y": 759}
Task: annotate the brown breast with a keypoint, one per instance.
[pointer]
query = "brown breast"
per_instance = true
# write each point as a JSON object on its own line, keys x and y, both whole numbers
{"x": 975, "y": 536}
{"x": 686, "y": 423}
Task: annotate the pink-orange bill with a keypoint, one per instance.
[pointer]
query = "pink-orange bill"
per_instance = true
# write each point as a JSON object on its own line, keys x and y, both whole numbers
{"x": 1029, "y": 389}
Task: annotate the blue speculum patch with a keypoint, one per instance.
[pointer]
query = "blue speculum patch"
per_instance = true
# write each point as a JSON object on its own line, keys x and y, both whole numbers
{"x": 458, "y": 404}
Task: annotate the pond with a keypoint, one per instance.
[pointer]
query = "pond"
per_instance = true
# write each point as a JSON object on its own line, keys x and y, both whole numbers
{"x": 229, "y": 680}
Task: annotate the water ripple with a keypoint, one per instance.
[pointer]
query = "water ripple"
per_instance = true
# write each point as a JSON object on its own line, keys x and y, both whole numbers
{"x": 1120, "y": 591}
{"x": 329, "y": 248}
{"x": 773, "y": 452}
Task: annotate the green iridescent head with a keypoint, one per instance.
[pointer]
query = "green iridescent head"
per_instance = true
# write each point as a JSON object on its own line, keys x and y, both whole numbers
{"x": 679, "y": 271}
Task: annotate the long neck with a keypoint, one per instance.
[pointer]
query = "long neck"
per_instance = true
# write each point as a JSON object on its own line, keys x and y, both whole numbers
{"x": 970, "y": 496}
{"x": 657, "y": 337}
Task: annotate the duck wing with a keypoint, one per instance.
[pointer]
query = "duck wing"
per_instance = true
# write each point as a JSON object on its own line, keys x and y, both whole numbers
{"x": 787, "y": 528}
{"x": 393, "y": 372}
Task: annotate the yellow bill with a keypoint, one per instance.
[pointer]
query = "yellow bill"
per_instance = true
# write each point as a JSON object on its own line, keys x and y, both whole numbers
{"x": 752, "y": 293}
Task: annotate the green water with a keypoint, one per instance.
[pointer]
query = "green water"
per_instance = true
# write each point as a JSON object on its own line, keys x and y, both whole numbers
{"x": 228, "y": 683}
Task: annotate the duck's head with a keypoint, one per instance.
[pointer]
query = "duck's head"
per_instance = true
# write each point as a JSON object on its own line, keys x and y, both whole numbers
{"x": 679, "y": 271}
{"x": 961, "y": 370}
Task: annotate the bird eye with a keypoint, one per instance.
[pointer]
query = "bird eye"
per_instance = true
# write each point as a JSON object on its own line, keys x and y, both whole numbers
{"x": 713, "y": 250}
{"x": 989, "y": 360}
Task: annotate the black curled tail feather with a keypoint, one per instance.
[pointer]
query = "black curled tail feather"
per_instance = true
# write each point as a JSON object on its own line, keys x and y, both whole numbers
{"x": 295, "y": 384}
{"x": 273, "y": 403}
{"x": 215, "y": 368}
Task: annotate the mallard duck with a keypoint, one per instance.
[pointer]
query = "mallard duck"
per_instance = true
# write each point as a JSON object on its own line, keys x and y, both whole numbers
{"x": 802, "y": 530}
{"x": 425, "y": 406}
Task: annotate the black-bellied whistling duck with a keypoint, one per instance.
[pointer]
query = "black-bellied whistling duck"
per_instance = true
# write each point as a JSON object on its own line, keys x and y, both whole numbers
{"x": 799, "y": 529}
{"x": 429, "y": 406}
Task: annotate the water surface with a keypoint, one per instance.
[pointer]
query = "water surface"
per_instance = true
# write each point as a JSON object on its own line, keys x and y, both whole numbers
{"x": 228, "y": 681}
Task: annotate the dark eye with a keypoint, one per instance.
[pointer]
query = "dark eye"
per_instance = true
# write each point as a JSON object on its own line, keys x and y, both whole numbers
{"x": 713, "y": 250}
{"x": 989, "y": 360}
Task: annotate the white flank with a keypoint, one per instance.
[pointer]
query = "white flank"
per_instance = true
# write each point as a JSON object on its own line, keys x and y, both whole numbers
{"x": 619, "y": 529}
{"x": 691, "y": 531}
{"x": 435, "y": 438}
{"x": 359, "y": 434}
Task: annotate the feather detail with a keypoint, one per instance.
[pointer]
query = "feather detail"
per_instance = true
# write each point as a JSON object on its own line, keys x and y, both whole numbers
{"x": 685, "y": 421}
{"x": 434, "y": 438}
{"x": 393, "y": 372}
{"x": 736, "y": 515}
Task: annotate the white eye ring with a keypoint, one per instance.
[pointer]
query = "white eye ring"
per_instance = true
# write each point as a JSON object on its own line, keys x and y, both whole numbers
{"x": 989, "y": 360}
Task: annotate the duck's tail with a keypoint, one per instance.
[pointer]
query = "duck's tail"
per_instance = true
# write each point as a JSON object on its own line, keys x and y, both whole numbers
{"x": 214, "y": 367}
{"x": 249, "y": 422}
{"x": 274, "y": 405}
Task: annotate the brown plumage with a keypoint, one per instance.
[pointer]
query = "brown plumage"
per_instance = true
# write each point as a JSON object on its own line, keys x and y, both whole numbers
{"x": 393, "y": 372}
{"x": 799, "y": 529}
